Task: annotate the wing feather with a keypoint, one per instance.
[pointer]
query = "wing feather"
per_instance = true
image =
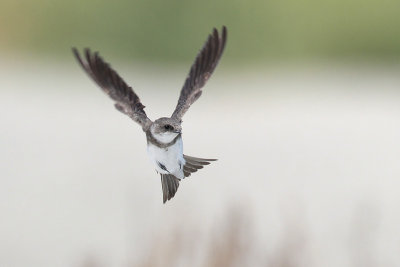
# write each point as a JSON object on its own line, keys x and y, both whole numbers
{"x": 200, "y": 72}
{"x": 113, "y": 85}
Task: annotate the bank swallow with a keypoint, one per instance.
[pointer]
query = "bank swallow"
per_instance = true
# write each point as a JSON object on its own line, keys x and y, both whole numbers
{"x": 164, "y": 135}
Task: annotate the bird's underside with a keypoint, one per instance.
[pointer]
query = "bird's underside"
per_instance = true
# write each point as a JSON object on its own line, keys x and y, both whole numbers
{"x": 128, "y": 102}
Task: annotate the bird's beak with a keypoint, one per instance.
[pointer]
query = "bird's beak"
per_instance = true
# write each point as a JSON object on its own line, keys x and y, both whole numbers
{"x": 178, "y": 132}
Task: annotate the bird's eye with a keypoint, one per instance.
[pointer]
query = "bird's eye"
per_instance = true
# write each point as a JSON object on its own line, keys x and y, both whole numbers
{"x": 168, "y": 127}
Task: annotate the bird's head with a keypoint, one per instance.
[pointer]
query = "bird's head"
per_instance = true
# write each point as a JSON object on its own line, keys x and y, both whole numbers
{"x": 165, "y": 129}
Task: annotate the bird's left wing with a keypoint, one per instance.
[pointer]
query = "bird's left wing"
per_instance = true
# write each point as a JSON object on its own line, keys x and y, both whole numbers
{"x": 200, "y": 72}
{"x": 113, "y": 85}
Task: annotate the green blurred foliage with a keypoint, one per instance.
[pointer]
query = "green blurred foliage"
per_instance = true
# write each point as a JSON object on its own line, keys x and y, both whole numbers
{"x": 174, "y": 30}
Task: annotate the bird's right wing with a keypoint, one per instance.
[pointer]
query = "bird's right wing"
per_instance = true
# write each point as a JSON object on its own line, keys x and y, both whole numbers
{"x": 113, "y": 85}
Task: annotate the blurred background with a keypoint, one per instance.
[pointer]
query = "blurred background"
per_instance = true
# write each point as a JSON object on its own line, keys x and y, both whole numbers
{"x": 302, "y": 113}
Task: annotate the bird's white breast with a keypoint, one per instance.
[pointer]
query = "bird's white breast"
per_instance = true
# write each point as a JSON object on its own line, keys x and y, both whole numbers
{"x": 171, "y": 157}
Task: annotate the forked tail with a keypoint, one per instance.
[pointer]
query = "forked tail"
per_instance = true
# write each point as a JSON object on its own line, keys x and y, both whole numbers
{"x": 170, "y": 183}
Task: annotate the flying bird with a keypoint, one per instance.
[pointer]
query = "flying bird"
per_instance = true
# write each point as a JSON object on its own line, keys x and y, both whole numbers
{"x": 164, "y": 135}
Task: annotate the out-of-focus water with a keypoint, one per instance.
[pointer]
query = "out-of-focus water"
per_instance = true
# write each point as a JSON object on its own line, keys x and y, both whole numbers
{"x": 310, "y": 154}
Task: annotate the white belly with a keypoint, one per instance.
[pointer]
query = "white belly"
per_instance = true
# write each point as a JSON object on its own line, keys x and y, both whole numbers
{"x": 171, "y": 158}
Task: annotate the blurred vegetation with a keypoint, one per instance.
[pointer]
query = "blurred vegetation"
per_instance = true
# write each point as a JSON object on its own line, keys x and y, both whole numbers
{"x": 230, "y": 243}
{"x": 173, "y": 30}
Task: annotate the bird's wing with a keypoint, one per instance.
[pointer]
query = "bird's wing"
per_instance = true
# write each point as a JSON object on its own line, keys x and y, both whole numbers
{"x": 169, "y": 184}
{"x": 193, "y": 164}
{"x": 200, "y": 72}
{"x": 113, "y": 85}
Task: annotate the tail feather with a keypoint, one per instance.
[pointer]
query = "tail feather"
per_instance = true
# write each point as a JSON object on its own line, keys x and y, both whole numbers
{"x": 169, "y": 185}
{"x": 193, "y": 164}
{"x": 197, "y": 161}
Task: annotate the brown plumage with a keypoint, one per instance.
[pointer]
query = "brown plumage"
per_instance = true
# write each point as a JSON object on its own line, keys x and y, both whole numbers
{"x": 113, "y": 85}
{"x": 170, "y": 183}
{"x": 193, "y": 164}
{"x": 164, "y": 134}
{"x": 201, "y": 71}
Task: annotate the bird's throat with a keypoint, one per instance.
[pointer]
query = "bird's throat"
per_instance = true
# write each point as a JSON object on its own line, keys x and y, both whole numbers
{"x": 151, "y": 139}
